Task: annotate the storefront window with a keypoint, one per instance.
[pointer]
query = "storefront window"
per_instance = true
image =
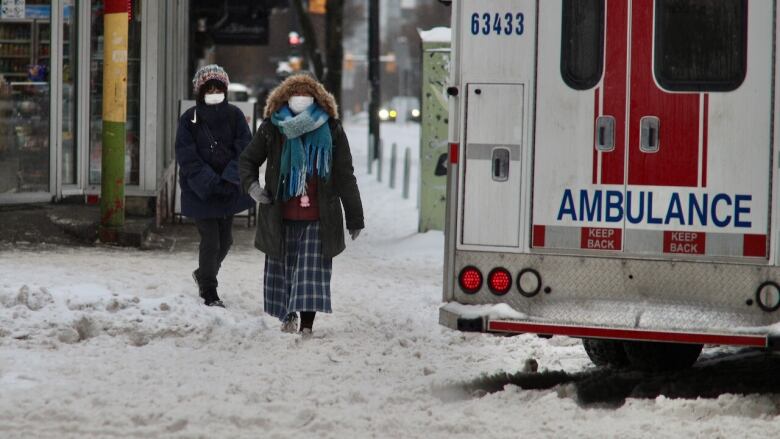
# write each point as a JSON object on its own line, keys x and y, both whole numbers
{"x": 69, "y": 69}
{"x": 132, "y": 145}
{"x": 25, "y": 34}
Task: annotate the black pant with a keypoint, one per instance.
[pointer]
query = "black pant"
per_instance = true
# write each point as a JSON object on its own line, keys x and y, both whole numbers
{"x": 216, "y": 237}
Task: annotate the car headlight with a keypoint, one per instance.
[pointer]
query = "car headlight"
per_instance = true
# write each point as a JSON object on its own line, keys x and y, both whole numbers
{"x": 415, "y": 112}
{"x": 384, "y": 114}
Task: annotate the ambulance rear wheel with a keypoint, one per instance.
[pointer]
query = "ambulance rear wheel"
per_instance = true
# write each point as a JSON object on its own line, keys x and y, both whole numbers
{"x": 605, "y": 353}
{"x": 657, "y": 357}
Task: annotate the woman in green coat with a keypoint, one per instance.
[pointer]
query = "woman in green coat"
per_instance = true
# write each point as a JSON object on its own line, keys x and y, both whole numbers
{"x": 308, "y": 178}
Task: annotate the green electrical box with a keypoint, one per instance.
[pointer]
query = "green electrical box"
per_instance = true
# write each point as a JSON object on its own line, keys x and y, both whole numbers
{"x": 433, "y": 132}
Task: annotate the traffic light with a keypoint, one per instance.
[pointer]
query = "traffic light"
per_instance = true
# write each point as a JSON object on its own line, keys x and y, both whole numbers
{"x": 318, "y": 6}
{"x": 294, "y": 39}
{"x": 296, "y": 63}
{"x": 295, "y": 58}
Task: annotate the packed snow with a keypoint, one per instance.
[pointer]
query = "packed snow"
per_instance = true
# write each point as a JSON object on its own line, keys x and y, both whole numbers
{"x": 106, "y": 342}
{"x": 436, "y": 35}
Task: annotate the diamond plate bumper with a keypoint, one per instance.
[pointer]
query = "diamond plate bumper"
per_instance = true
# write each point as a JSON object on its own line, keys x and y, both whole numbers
{"x": 453, "y": 320}
{"x": 627, "y": 294}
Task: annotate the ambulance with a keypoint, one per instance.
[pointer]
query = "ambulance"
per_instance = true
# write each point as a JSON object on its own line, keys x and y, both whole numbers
{"x": 613, "y": 175}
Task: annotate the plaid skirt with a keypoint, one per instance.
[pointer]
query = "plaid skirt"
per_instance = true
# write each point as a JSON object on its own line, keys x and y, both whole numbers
{"x": 300, "y": 279}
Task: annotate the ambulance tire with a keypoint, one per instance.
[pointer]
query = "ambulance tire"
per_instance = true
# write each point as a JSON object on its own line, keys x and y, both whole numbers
{"x": 660, "y": 357}
{"x": 606, "y": 353}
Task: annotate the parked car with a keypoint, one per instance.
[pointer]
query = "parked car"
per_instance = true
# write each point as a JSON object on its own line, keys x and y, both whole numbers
{"x": 238, "y": 92}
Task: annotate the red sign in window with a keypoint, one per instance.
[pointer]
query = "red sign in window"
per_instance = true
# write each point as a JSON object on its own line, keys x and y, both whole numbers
{"x": 688, "y": 243}
{"x": 593, "y": 238}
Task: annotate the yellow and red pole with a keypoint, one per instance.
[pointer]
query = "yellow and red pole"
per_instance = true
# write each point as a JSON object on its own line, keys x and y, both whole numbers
{"x": 112, "y": 194}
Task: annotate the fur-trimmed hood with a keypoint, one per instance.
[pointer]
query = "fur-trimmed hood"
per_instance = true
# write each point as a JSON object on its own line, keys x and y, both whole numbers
{"x": 296, "y": 85}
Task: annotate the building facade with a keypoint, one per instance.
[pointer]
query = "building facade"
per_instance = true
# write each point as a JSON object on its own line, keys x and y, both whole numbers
{"x": 51, "y": 75}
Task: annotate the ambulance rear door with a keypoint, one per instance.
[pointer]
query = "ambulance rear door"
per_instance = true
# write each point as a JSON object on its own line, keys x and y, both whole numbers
{"x": 654, "y": 136}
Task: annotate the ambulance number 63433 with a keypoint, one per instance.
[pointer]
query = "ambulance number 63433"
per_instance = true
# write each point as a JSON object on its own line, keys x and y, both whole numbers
{"x": 497, "y": 23}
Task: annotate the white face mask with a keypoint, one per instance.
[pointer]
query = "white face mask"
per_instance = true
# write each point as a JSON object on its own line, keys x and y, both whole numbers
{"x": 214, "y": 98}
{"x": 299, "y": 103}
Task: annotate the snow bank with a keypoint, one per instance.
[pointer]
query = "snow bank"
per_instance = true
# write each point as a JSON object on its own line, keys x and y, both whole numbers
{"x": 494, "y": 312}
{"x": 436, "y": 35}
{"x": 77, "y": 312}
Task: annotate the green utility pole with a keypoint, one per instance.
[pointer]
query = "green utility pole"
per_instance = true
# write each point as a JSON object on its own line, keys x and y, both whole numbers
{"x": 112, "y": 194}
{"x": 433, "y": 129}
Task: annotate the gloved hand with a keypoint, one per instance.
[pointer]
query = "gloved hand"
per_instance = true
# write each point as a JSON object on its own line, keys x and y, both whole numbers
{"x": 354, "y": 233}
{"x": 259, "y": 194}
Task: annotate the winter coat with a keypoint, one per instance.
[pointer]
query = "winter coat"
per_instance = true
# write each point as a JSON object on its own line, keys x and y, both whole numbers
{"x": 209, "y": 179}
{"x": 340, "y": 189}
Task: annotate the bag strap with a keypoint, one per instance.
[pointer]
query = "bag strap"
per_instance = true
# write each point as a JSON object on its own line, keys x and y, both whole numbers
{"x": 206, "y": 129}
{"x": 210, "y": 136}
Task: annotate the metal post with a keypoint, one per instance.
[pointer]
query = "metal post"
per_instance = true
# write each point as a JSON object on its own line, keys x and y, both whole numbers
{"x": 370, "y": 153}
{"x": 380, "y": 161}
{"x": 112, "y": 194}
{"x": 373, "y": 79}
{"x": 393, "y": 153}
{"x": 407, "y": 172}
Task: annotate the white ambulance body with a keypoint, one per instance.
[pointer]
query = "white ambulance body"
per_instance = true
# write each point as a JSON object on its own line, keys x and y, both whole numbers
{"x": 612, "y": 169}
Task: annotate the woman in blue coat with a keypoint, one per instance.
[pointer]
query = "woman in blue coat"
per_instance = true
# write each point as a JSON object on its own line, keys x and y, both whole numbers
{"x": 209, "y": 140}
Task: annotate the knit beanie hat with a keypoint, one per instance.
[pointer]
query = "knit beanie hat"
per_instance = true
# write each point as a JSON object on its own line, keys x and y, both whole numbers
{"x": 207, "y": 73}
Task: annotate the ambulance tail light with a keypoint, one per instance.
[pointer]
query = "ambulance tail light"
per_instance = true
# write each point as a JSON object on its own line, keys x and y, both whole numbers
{"x": 454, "y": 148}
{"x": 499, "y": 281}
{"x": 470, "y": 279}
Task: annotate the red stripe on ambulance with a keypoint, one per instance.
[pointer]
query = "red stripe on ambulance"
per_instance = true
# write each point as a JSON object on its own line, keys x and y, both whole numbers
{"x": 704, "y": 140}
{"x": 538, "y": 236}
{"x": 615, "y": 77}
{"x": 518, "y": 327}
{"x": 676, "y": 163}
{"x": 596, "y": 152}
{"x": 754, "y": 246}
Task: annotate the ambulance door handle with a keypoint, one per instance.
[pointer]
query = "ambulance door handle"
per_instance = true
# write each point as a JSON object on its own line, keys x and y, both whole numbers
{"x": 605, "y": 133}
{"x": 649, "y": 141}
{"x": 500, "y": 162}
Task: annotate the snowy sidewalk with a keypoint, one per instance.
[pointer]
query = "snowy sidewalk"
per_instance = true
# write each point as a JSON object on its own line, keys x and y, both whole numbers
{"x": 102, "y": 342}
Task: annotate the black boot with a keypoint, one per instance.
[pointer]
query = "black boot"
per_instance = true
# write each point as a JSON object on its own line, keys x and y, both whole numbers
{"x": 209, "y": 295}
{"x": 211, "y": 298}
{"x": 307, "y": 322}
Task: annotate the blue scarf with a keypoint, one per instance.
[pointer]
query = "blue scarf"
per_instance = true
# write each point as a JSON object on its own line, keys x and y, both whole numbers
{"x": 308, "y": 148}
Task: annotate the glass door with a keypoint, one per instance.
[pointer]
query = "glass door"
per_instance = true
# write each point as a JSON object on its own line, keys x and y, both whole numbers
{"x": 69, "y": 93}
{"x": 25, "y": 97}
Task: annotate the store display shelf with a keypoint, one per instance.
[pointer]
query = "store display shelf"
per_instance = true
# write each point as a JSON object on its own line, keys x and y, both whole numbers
{"x": 38, "y": 124}
{"x": 16, "y": 56}
{"x": 12, "y": 74}
{"x": 21, "y": 118}
{"x": 15, "y": 41}
{"x": 35, "y": 151}
{"x": 100, "y": 58}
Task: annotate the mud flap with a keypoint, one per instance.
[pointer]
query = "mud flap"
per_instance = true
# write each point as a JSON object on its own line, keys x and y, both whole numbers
{"x": 454, "y": 321}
